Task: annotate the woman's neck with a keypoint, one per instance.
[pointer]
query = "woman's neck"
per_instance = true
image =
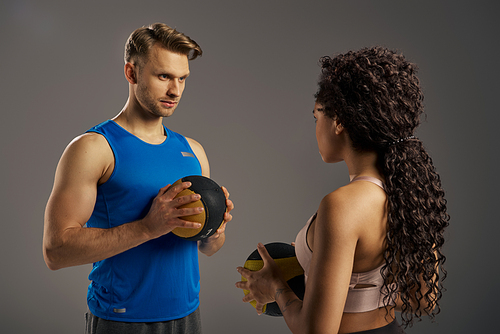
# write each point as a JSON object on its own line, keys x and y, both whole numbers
{"x": 363, "y": 164}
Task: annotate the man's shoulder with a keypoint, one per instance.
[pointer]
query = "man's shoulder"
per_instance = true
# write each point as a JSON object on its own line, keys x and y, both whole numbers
{"x": 193, "y": 142}
{"x": 87, "y": 157}
{"x": 89, "y": 139}
{"x": 88, "y": 144}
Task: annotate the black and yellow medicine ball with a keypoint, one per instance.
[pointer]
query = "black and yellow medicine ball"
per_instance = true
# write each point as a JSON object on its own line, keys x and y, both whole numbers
{"x": 284, "y": 256}
{"x": 212, "y": 200}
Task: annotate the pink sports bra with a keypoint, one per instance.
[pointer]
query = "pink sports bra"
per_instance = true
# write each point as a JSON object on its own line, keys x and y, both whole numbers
{"x": 358, "y": 300}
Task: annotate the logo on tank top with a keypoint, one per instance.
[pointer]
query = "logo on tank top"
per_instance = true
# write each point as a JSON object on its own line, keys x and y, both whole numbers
{"x": 187, "y": 154}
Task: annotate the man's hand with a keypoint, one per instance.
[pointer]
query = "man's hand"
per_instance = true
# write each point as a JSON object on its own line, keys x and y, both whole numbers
{"x": 213, "y": 243}
{"x": 165, "y": 212}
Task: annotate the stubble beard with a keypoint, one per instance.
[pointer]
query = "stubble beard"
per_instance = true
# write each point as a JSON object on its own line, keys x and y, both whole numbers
{"x": 153, "y": 105}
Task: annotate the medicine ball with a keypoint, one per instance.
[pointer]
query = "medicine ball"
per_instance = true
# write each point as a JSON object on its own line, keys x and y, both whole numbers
{"x": 284, "y": 256}
{"x": 212, "y": 200}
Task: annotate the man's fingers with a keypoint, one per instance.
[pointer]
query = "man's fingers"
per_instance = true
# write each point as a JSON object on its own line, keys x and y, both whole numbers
{"x": 171, "y": 191}
{"x": 181, "y": 200}
{"x": 226, "y": 193}
{"x": 222, "y": 228}
{"x": 187, "y": 224}
{"x": 163, "y": 190}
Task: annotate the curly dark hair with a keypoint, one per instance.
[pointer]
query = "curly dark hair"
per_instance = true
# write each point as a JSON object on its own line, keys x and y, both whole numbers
{"x": 375, "y": 94}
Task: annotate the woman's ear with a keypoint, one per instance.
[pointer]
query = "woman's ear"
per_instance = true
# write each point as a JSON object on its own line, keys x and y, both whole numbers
{"x": 339, "y": 128}
{"x": 130, "y": 73}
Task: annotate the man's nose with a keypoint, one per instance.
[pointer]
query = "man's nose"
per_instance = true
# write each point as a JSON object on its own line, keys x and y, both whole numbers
{"x": 174, "y": 88}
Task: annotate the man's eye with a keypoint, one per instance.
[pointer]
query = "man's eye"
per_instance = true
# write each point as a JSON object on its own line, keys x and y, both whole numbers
{"x": 163, "y": 76}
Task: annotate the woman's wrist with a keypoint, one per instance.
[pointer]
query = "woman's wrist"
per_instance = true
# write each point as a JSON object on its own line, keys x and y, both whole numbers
{"x": 280, "y": 287}
{"x": 286, "y": 298}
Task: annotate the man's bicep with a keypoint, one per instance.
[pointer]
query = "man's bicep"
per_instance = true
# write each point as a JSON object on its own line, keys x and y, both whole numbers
{"x": 75, "y": 185}
{"x": 201, "y": 155}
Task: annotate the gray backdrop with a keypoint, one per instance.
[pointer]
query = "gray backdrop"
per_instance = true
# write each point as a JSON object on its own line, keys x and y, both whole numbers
{"x": 249, "y": 102}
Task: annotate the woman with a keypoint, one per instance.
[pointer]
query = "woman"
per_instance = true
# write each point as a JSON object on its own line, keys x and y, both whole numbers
{"x": 374, "y": 245}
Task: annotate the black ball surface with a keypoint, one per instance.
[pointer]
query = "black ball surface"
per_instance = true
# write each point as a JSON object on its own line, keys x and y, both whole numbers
{"x": 212, "y": 200}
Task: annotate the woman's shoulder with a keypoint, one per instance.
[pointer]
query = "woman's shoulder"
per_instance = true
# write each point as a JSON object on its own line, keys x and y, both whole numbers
{"x": 356, "y": 195}
{"x": 352, "y": 204}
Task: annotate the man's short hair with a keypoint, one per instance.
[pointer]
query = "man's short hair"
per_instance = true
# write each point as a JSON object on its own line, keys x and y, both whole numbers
{"x": 142, "y": 40}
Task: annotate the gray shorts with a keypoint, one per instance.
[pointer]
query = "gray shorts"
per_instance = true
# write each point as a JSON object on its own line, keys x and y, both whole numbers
{"x": 190, "y": 324}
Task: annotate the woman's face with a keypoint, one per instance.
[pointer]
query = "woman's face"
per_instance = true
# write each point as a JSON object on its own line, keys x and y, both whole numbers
{"x": 326, "y": 135}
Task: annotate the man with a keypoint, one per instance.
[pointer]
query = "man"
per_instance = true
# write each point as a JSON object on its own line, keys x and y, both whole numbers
{"x": 115, "y": 179}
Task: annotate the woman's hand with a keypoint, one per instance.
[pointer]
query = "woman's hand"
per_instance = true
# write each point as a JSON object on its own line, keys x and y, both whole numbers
{"x": 263, "y": 284}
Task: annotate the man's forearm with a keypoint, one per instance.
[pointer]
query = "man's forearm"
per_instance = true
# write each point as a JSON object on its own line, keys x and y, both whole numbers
{"x": 81, "y": 245}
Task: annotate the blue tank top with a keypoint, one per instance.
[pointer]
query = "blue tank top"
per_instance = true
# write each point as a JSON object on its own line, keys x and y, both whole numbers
{"x": 158, "y": 280}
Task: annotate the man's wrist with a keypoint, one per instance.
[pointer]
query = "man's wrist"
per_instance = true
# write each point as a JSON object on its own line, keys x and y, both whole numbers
{"x": 212, "y": 239}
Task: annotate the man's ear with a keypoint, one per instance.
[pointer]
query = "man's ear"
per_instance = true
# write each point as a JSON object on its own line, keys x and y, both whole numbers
{"x": 130, "y": 71}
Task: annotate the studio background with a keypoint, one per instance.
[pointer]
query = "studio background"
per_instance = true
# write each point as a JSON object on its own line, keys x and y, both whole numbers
{"x": 248, "y": 101}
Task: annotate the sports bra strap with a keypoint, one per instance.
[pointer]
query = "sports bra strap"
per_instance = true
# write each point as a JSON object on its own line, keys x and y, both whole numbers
{"x": 371, "y": 179}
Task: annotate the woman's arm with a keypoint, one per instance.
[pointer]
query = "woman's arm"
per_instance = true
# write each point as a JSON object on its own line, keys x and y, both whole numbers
{"x": 335, "y": 237}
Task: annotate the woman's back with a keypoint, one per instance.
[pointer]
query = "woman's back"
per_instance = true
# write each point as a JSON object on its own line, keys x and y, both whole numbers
{"x": 366, "y": 204}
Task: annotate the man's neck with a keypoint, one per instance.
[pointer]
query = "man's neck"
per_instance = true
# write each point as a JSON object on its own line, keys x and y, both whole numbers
{"x": 148, "y": 129}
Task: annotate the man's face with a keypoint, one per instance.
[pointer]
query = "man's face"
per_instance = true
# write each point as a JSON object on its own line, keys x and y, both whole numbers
{"x": 161, "y": 80}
